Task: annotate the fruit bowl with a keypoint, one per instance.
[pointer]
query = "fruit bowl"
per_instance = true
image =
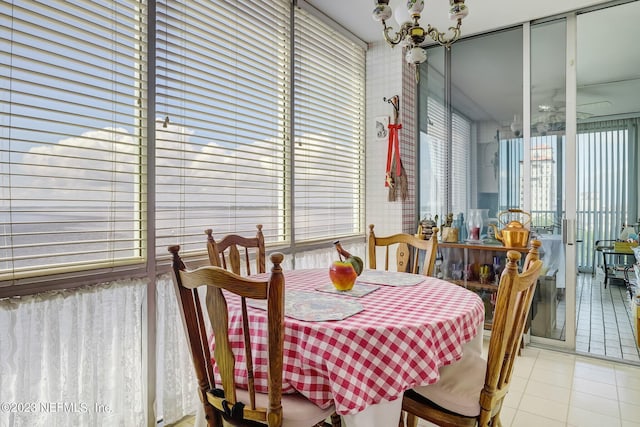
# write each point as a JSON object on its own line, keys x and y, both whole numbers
{"x": 342, "y": 275}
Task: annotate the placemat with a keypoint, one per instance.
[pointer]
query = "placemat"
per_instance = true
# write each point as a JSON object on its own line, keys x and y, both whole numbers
{"x": 389, "y": 278}
{"x": 312, "y": 306}
{"x": 358, "y": 290}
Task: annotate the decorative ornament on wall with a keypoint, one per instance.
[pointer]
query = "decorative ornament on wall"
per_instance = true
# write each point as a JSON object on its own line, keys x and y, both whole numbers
{"x": 395, "y": 175}
{"x": 382, "y": 127}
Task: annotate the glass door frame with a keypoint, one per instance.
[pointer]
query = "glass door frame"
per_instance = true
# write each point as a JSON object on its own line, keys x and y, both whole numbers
{"x": 570, "y": 181}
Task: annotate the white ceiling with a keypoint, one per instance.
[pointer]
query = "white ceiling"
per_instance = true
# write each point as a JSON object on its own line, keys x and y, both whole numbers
{"x": 608, "y": 57}
{"x": 484, "y": 15}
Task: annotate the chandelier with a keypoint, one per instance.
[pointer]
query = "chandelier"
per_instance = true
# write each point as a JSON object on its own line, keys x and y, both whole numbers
{"x": 412, "y": 34}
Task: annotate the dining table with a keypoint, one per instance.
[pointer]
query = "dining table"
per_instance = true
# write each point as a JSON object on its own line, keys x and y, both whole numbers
{"x": 361, "y": 349}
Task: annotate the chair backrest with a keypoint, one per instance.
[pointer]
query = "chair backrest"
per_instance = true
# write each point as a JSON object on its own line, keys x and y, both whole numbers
{"x": 410, "y": 251}
{"x": 223, "y": 401}
{"x": 515, "y": 293}
{"x": 230, "y": 251}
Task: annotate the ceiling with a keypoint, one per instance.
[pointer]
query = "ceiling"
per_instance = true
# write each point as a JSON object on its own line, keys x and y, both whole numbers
{"x": 484, "y": 15}
{"x": 608, "y": 59}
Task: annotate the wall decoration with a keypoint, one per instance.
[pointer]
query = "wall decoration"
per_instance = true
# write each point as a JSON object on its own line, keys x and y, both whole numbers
{"x": 382, "y": 127}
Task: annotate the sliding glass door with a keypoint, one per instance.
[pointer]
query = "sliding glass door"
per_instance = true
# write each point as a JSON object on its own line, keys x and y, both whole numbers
{"x": 607, "y": 116}
{"x": 546, "y": 156}
{"x": 551, "y": 113}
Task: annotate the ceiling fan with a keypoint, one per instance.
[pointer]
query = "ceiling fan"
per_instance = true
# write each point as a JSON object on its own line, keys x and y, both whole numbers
{"x": 552, "y": 116}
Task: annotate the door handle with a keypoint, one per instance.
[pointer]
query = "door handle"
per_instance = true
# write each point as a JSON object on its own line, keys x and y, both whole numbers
{"x": 568, "y": 231}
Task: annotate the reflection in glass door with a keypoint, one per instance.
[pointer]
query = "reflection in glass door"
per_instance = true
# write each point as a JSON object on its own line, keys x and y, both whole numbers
{"x": 607, "y": 110}
{"x": 545, "y": 154}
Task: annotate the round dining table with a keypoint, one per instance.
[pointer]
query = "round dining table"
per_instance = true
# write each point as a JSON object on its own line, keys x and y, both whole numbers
{"x": 361, "y": 349}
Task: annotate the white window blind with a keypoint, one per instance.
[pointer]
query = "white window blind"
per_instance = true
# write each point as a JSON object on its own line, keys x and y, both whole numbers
{"x": 607, "y": 173}
{"x": 222, "y": 120}
{"x": 443, "y": 184}
{"x": 511, "y": 180}
{"x": 460, "y": 147}
{"x": 434, "y": 184}
{"x": 328, "y": 117}
{"x": 71, "y": 120}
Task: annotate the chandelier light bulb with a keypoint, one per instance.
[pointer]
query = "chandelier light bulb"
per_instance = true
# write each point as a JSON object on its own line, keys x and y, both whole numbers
{"x": 458, "y": 10}
{"x": 400, "y": 11}
{"x": 382, "y": 12}
{"x": 415, "y": 7}
{"x": 416, "y": 55}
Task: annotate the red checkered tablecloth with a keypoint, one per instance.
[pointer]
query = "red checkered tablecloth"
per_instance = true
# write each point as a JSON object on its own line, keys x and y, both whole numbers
{"x": 399, "y": 341}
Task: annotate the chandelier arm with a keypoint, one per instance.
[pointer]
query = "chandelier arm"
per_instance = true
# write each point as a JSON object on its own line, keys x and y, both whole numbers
{"x": 399, "y": 36}
{"x": 441, "y": 38}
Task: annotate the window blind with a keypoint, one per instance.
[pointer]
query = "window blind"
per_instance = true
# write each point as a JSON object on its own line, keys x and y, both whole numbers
{"x": 222, "y": 120}
{"x": 328, "y": 117}
{"x": 71, "y": 121}
{"x": 434, "y": 184}
{"x": 607, "y": 172}
{"x": 511, "y": 180}
{"x": 460, "y": 147}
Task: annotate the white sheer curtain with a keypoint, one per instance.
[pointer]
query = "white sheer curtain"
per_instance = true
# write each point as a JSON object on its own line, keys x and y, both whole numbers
{"x": 73, "y": 358}
{"x": 176, "y": 385}
{"x": 322, "y": 258}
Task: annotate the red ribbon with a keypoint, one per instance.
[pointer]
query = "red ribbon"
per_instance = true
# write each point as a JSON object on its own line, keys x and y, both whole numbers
{"x": 394, "y": 144}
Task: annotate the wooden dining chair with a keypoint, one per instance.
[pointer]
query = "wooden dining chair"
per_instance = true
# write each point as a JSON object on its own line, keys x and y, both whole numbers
{"x": 471, "y": 391}
{"x": 226, "y": 401}
{"x": 413, "y": 255}
{"x": 232, "y": 249}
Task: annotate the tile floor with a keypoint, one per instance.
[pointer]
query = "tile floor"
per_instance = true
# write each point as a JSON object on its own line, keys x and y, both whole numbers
{"x": 605, "y": 319}
{"x": 550, "y": 388}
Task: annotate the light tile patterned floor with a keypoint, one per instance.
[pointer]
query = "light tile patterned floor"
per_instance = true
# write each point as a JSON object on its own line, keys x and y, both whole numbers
{"x": 551, "y": 388}
{"x": 605, "y": 319}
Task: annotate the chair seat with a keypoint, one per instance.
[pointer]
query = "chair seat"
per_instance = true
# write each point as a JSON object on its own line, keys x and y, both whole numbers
{"x": 296, "y": 409}
{"x": 470, "y": 392}
{"x": 460, "y": 383}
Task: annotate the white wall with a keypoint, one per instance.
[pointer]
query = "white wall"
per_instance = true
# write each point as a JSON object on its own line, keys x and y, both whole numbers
{"x": 384, "y": 80}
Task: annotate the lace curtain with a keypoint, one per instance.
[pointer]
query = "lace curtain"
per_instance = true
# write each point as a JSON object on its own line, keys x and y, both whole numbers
{"x": 176, "y": 382}
{"x": 73, "y": 357}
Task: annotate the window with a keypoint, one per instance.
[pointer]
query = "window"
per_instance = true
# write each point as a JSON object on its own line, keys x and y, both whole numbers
{"x": 433, "y": 161}
{"x": 225, "y": 158}
{"x": 435, "y": 175}
{"x": 328, "y": 117}
{"x": 71, "y": 123}
{"x": 222, "y": 138}
{"x": 268, "y": 130}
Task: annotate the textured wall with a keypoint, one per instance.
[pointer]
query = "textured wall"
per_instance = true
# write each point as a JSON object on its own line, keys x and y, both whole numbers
{"x": 385, "y": 71}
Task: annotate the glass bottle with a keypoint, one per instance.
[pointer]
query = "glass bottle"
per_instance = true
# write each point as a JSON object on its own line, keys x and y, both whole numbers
{"x": 474, "y": 224}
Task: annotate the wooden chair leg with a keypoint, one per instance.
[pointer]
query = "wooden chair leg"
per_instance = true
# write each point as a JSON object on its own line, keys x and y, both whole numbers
{"x": 336, "y": 420}
{"x": 412, "y": 420}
